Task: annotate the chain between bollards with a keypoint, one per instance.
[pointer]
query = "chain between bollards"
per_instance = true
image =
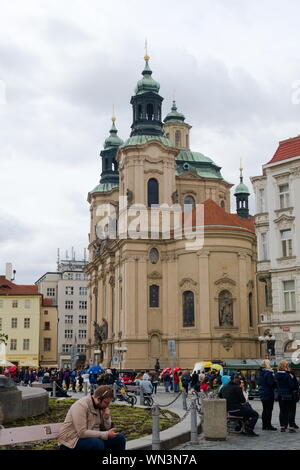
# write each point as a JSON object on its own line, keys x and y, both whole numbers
{"x": 155, "y": 428}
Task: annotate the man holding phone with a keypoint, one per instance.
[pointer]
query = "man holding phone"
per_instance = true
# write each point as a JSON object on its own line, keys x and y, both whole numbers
{"x": 87, "y": 425}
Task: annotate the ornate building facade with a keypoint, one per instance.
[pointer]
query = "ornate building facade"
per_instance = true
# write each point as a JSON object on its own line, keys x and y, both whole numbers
{"x": 149, "y": 295}
{"x": 277, "y": 222}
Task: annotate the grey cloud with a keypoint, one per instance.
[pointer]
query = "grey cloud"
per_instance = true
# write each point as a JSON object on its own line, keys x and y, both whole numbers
{"x": 13, "y": 230}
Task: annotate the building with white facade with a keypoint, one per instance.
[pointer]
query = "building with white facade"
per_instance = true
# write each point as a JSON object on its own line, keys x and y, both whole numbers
{"x": 277, "y": 222}
{"x": 67, "y": 288}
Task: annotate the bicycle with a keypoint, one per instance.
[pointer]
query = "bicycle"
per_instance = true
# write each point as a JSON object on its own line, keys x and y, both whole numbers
{"x": 129, "y": 397}
{"x": 148, "y": 400}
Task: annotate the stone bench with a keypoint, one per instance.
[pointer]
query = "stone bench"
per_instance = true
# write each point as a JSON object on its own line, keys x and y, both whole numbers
{"x": 40, "y": 432}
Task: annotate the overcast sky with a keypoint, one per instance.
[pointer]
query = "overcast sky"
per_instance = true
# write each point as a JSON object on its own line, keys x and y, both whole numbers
{"x": 63, "y": 64}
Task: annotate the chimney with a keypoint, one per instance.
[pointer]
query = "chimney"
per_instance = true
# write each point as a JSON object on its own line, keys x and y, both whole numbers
{"x": 8, "y": 271}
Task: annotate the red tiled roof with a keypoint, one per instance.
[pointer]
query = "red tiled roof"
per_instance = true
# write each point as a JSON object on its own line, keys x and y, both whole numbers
{"x": 9, "y": 288}
{"x": 47, "y": 302}
{"x": 288, "y": 148}
{"x": 216, "y": 218}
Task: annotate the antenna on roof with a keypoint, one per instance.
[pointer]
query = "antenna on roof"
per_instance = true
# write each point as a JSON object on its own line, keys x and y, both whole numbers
{"x": 72, "y": 251}
{"x": 58, "y": 259}
{"x": 67, "y": 255}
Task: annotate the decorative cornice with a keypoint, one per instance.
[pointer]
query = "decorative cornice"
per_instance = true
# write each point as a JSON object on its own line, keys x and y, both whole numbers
{"x": 159, "y": 172}
{"x": 154, "y": 275}
{"x": 188, "y": 280}
{"x": 225, "y": 280}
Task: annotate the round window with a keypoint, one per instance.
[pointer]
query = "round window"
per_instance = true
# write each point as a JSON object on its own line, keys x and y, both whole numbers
{"x": 154, "y": 255}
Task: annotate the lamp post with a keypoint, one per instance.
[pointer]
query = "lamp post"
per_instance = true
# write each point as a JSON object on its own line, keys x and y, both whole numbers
{"x": 120, "y": 350}
{"x": 269, "y": 339}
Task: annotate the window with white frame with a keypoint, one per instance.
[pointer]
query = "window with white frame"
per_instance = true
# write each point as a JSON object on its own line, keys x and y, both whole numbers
{"x": 289, "y": 296}
{"x": 26, "y": 322}
{"x": 69, "y": 319}
{"x": 82, "y": 334}
{"x": 13, "y": 344}
{"x": 26, "y": 343}
{"x": 68, "y": 334}
{"x": 286, "y": 243}
{"x": 69, "y": 304}
{"x": 82, "y": 319}
{"x": 81, "y": 348}
{"x": 78, "y": 277}
{"x": 14, "y": 304}
{"x": 27, "y": 304}
{"x": 261, "y": 200}
{"x": 66, "y": 348}
{"x": 69, "y": 290}
{"x": 51, "y": 292}
{"x": 85, "y": 277}
{"x": 284, "y": 196}
{"x": 14, "y": 323}
{"x": 264, "y": 246}
{"x": 82, "y": 304}
{"x": 82, "y": 290}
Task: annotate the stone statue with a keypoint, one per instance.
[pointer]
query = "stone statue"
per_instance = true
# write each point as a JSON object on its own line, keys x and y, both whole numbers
{"x": 129, "y": 194}
{"x": 225, "y": 310}
{"x": 175, "y": 197}
{"x": 100, "y": 332}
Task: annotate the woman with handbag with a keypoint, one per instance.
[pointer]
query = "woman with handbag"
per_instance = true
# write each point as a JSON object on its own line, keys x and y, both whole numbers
{"x": 286, "y": 386}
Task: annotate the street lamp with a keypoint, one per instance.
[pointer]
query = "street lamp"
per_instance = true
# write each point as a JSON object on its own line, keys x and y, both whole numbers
{"x": 120, "y": 350}
{"x": 269, "y": 339}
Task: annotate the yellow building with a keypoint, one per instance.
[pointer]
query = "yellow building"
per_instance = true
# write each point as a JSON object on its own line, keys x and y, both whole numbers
{"x": 48, "y": 334}
{"x": 20, "y": 307}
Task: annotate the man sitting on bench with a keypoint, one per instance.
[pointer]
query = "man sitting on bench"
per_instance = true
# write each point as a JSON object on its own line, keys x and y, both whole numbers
{"x": 237, "y": 405}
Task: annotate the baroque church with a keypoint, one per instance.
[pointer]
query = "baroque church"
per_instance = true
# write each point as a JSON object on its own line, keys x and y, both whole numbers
{"x": 151, "y": 297}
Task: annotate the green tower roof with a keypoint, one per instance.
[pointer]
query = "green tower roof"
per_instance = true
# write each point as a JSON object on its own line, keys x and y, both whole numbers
{"x": 113, "y": 140}
{"x": 174, "y": 116}
{"x": 147, "y": 83}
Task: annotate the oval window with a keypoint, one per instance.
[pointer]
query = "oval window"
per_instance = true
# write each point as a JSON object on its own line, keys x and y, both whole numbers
{"x": 154, "y": 255}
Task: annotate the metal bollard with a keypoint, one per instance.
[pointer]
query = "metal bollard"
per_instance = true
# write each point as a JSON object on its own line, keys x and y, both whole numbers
{"x": 141, "y": 396}
{"x": 85, "y": 388}
{"x": 115, "y": 388}
{"x": 155, "y": 428}
{"x": 184, "y": 405}
{"x": 53, "y": 388}
{"x": 194, "y": 430}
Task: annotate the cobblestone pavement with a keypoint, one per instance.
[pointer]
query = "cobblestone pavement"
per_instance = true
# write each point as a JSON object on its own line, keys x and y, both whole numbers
{"x": 267, "y": 440}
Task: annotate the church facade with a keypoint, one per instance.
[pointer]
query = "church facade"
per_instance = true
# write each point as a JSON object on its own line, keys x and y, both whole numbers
{"x": 152, "y": 295}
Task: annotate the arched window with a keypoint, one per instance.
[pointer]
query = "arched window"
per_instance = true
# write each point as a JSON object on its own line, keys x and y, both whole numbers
{"x": 153, "y": 195}
{"x": 189, "y": 204}
{"x": 150, "y": 111}
{"x": 154, "y": 255}
{"x": 250, "y": 309}
{"x": 154, "y": 296}
{"x": 188, "y": 309}
{"x": 225, "y": 308}
{"x": 177, "y": 139}
{"x": 140, "y": 114}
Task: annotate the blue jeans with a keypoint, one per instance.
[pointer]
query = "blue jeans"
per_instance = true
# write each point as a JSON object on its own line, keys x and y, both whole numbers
{"x": 167, "y": 385}
{"x": 176, "y": 388}
{"x": 94, "y": 443}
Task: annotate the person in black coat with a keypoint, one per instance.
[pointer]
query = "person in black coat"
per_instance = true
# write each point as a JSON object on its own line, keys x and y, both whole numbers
{"x": 285, "y": 385}
{"x": 266, "y": 385}
{"x": 295, "y": 399}
{"x": 236, "y": 404}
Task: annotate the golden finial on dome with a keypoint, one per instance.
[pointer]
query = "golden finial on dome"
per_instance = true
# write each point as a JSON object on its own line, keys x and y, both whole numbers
{"x": 113, "y": 118}
{"x": 241, "y": 170}
{"x": 146, "y": 57}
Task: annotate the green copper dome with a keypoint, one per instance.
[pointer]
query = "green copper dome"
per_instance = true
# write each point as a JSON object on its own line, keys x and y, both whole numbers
{"x": 147, "y": 83}
{"x": 104, "y": 187}
{"x": 113, "y": 140}
{"x": 143, "y": 139}
{"x": 197, "y": 163}
{"x": 174, "y": 116}
{"x": 242, "y": 189}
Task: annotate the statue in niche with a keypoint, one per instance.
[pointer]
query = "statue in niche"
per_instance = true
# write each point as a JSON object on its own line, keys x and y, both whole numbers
{"x": 129, "y": 195}
{"x": 225, "y": 309}
{"x": 100, "y": 333}
{"x": 175, "y": 197}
